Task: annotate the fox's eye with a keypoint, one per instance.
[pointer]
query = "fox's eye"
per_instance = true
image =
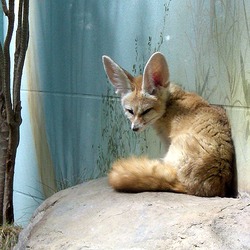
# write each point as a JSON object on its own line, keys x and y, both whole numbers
{"x": 146, "y": 111}
{"x": 130, "y": 111}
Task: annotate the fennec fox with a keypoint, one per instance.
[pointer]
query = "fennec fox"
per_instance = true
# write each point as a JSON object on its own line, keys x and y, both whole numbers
{"x": 200, "y": 156}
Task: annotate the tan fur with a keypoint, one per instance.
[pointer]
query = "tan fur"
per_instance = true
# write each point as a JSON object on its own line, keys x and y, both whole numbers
{"x": 142, "y": 174}
{"x": 200, "y": 153}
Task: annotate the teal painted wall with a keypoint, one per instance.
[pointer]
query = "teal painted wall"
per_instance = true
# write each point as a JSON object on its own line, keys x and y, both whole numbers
{"x": 73, "y": 126}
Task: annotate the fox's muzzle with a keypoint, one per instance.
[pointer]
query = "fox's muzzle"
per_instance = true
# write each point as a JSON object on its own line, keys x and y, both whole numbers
{"x": 137, "y": 127}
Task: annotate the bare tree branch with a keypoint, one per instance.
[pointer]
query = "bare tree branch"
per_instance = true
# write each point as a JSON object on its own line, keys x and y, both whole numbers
{"x": 6, "y": 51}
{"x": 3, "y": 143}
{"x": 21, "y": 47}
{"x": 1, "y": 68}
{"x": 5, "y": 9}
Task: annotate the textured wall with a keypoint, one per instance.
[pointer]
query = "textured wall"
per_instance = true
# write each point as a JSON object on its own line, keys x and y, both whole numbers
{"x": 73, "y": 125}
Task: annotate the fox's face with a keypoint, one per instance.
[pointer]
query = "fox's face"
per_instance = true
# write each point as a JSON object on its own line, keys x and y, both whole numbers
{"x": 142, "y": 109}
{"x": 144, "y": 97}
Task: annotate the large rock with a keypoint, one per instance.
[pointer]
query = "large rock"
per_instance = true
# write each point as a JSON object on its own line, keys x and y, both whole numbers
{"x": 93, "y": 216}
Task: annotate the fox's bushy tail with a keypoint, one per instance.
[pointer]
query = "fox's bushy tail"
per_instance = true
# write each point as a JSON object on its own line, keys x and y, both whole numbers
{"x": 142, "y": 174}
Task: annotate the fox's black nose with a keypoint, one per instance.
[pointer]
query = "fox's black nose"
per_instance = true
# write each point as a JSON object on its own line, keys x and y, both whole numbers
{"x": 135, "y": 129}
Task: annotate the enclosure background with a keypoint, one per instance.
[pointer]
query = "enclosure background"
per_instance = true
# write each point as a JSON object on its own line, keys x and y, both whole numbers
{"x": 73, "y": 126}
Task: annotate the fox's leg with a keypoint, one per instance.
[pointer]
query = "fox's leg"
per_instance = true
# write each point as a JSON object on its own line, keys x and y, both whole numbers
{"x": 142, "y": 174}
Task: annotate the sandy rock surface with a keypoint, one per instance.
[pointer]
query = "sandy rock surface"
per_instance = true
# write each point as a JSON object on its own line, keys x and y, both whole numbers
{"x": 93, "y": 216}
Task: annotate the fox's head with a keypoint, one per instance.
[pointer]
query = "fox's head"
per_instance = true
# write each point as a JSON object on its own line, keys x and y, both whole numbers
{"x": 143, "y": 97}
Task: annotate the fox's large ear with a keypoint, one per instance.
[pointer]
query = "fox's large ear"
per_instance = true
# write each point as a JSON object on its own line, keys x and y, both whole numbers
{"x": 119, "y": 77}
{"x": 156, "y": 73}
